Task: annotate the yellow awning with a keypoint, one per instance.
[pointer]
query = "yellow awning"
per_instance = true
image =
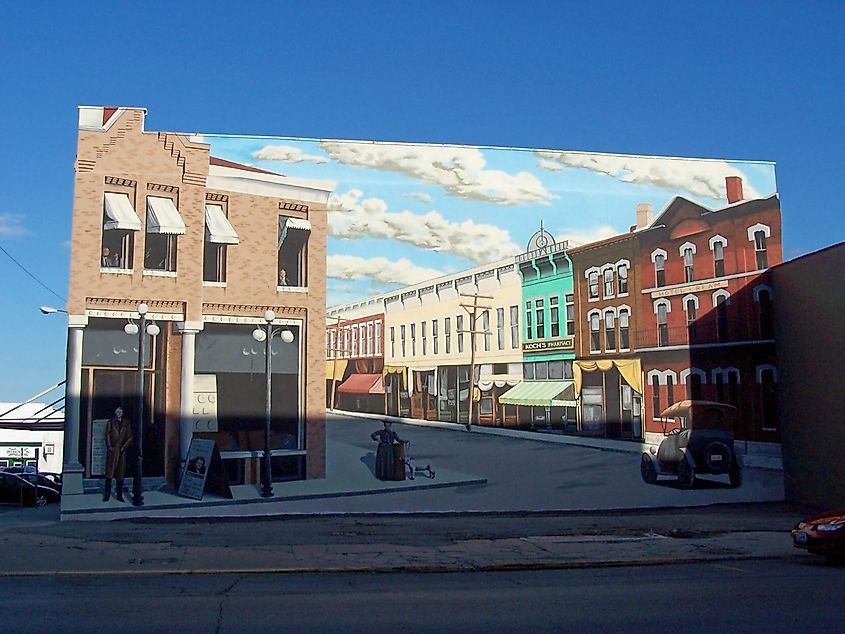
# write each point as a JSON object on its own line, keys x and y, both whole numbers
{"x": 335, "y": 368}
{"x": 630, "y": 369}
{"x": 397, "y": 369}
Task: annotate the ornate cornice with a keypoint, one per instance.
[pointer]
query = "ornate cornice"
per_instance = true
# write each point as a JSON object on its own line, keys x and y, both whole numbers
{"x": 251, "y": 310}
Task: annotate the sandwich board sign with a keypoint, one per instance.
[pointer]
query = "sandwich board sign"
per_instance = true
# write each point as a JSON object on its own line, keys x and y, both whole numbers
{"x": 204, "y": 470}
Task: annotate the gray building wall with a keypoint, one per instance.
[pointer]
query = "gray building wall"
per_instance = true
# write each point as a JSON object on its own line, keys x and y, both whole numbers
{"x": 810, "y": 304}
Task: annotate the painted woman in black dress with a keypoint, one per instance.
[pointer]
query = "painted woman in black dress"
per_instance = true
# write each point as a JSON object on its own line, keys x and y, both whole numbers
{"x": 385, "y": 464}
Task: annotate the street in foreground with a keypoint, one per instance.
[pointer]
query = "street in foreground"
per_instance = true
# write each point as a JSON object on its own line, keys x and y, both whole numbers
{"x": 770, "y": 596}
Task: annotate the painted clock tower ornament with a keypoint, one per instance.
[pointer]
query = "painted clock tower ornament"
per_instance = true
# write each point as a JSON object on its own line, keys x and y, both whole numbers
{"x": 540, "y": 240}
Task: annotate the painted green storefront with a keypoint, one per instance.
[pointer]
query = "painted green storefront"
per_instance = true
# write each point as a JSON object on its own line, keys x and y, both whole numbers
{"x": 546, "y": 396}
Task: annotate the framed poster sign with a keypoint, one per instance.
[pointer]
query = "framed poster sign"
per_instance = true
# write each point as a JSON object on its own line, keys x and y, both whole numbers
{"x": 98, "y": 446}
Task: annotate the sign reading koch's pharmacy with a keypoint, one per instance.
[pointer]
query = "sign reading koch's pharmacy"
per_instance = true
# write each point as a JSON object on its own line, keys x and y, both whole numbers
{"x": 565, "y": 343}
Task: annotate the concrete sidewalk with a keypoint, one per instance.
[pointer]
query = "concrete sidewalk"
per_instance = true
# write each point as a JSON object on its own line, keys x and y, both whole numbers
{"x": 207, "y": 547}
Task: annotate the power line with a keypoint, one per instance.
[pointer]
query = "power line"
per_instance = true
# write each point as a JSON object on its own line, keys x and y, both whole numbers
{"x": 25, "y": 270}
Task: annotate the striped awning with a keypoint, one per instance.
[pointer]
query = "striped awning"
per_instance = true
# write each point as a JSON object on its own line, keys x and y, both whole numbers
{"x": 541, "y": 394}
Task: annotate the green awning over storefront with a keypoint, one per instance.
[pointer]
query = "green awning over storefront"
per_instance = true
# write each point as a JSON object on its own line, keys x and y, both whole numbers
{"x": 541, "y": 394}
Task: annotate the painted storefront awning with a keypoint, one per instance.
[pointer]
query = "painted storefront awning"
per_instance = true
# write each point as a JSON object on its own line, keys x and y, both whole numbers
{"x": 218, "y": 229}
{"x": 335, "y": 369}
{"x": 401, "y": 370}
{"x": 630, "y": 369}
{"x": 359, "y": 383}
{"x": 163, "y": 217}
{"x": 286, "y": 223}
{"x": 378, "y": 386}
{"x": 540, "y": 394}
{"x": 120, "y": 213}
{"x": 487, "y": 381}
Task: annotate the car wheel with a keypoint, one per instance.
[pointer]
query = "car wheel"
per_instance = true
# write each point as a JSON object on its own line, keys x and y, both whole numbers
{"x": 735, "y": 475}
{"x": 686, "y": 475}
{"x": 717, "y": 455}
{"x": 648, "y": 471}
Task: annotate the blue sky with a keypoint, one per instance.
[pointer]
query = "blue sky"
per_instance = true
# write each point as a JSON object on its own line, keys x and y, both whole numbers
{"x": 404, "y": 213}
{"x": 721, "y": 80}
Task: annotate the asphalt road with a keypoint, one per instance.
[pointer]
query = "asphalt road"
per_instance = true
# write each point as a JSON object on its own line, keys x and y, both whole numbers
{"x": 772, "y": 596}
{"x": 524, "y": 475}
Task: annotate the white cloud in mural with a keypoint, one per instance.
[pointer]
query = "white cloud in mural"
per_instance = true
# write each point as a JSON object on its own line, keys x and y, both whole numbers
{"x": 460, "y": 171}
{"x": 420, "y": 196}
{"x": 378, "y": 269}
{"x": 12, "y": 225}
{"x": 578, "y": 237}
{"x": 351, "y": 216}
{"x": 287, "y": 154}
{"x": 699, "y": 178}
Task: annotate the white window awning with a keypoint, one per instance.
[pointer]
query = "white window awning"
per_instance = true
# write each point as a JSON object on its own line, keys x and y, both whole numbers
{"x": 218, "y": 229}
{"x": 120, "y": 213}
{"x": 163, "y": 217}
{"x": 286, "y": 223}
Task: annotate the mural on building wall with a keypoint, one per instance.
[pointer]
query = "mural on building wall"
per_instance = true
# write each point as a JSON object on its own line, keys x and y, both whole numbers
{"x": 282, "y": 298}
{"x": 574, "y": 262}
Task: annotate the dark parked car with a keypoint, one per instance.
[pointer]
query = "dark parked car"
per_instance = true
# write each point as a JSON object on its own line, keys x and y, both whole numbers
{"x": 701, "y": 441}
{"x": 43, "y": 480}
{"x": 822, "y": 534}
{"x": 15, "y": 489}
{"x": 52, "y": 478}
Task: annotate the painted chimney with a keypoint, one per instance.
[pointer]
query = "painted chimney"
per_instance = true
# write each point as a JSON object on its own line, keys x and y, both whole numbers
{"x": 733, "y": 185}
{"x": 644, "y": 213}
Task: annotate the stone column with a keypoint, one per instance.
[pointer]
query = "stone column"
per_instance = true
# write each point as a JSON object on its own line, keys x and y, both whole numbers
{"x": 72, "y": 470}
{"x": 189, "y": 332}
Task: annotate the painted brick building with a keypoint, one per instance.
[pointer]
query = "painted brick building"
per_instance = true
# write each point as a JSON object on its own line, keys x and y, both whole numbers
{"x": 203, "y": 243}
{"x": 705, "y": 328}
{"x": 608, "y": 375}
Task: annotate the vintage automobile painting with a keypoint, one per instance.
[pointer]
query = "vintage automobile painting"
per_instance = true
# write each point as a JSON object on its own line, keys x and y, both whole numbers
{"x": 699, "y": 441}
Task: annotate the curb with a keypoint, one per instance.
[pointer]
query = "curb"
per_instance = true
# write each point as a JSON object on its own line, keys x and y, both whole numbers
{"x": 422, "y": 569}
{"x": 68, "y": 514}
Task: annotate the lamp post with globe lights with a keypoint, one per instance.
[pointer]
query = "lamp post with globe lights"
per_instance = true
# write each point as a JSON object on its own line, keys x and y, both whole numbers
{"x": 266, "y": 334}
{"x": 141, "y": 328}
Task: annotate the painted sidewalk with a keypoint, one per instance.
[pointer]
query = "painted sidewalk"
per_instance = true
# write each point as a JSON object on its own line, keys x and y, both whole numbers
{"x": 349, "y": 473}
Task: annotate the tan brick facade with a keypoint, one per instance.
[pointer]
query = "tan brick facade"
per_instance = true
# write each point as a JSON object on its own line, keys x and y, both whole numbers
{"x": 121, "y": 157}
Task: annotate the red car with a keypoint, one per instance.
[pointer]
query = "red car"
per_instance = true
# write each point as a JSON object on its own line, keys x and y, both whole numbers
{"x": 822, "y": 534}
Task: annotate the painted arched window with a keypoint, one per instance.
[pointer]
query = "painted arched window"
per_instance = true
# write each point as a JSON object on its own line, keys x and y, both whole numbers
{"x": 690, "y": 305}
{"x": 662, "y": 324}
{"x": 760, "y": 249}
{"x": 594, "y": 284}
{"x": 595, "y": 343}
{"x": 660, "y": 269}
{"x": 622, "y": 279}
{"x": 688, "y": 274}
{"x": 624, "y": 341}
{"x": 609, "y": 331}
{"x": 608, "y": 282}
{"x": 719, "y": 259}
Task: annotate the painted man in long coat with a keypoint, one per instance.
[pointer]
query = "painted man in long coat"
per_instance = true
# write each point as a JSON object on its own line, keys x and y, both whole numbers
{"x": 118, "y": 439}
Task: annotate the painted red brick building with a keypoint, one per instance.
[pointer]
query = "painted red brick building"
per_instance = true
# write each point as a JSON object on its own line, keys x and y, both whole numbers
{"x": 705, "y": 328}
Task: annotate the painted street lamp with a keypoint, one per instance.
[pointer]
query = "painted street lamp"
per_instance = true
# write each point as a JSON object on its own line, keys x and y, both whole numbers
{"x": 49, "y": 310}
{"x": 266, "y": 335}
{"x": 140, "y": 329}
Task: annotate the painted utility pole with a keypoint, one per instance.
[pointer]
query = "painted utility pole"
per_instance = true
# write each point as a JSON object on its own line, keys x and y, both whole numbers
{"x": 335, "y": 350}
{"x": 472, "y": 312}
